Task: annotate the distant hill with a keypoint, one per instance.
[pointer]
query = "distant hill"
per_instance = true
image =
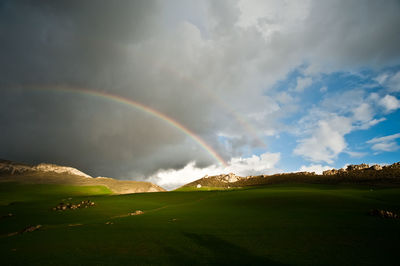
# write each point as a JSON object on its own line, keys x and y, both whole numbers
{"x": 353, "y": 174}
{"x": 63, "y": 175}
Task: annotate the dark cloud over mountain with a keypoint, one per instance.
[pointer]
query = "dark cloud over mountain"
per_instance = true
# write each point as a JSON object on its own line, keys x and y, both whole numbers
{"x": 211, "y": 66}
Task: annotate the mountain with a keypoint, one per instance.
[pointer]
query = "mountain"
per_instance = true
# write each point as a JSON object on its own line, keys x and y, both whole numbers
{"x": 353, "y": 174}
{"x": 63, "y": 175}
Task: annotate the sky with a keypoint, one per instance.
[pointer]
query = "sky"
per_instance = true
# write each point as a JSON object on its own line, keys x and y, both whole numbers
{"x": 170, "y": 91}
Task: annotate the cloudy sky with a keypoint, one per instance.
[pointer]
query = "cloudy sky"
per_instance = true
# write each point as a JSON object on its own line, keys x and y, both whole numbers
{"x": 168, "y": 91}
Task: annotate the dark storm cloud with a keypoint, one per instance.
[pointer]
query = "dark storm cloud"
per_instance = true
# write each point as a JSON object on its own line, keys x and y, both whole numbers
{"x": 68, "y": 41}
{"x": 354, "y": 33}
{"x": 193, "y": 63}
{"x": 86, "y": 44}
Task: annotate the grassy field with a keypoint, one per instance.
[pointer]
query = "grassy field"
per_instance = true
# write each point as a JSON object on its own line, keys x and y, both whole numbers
{"x": 276, "y": 225}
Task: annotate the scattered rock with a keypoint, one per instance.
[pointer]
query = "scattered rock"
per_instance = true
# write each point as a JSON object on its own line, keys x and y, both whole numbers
{"x": 356, "y": 167}
{"x": 383, "y": 214}
{"x": 8, "y": 215}
{"x": 394, "y": 166}
{"x": 83, "y": 204}
{"x": 138, "y": 212}
{"x": 109, "y": 223}
{"x": 231, "y": 177}
{"x": 334, "y": 171}
{"x": 341, "y": 171}
{"x": 305, "y": 173}
{"x": 328, "y": 172}
{"x": 376, "y": 167}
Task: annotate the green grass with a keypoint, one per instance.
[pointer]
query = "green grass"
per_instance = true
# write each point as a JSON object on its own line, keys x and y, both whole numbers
{"x": 14, "y": 192}
{"x": 279, "y": 224}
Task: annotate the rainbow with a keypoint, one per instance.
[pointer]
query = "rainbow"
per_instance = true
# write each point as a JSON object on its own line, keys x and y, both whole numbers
{"x": 247, "y": 126}
{"x": 141, "y": 107}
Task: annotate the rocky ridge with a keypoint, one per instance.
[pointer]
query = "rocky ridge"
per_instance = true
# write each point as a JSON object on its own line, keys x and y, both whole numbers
{"x": 64, "y": 175}
{"x": 45, "y": 167}
{"x": 19, "y": 168}
{"x": 359, "y": 167}
{"x": 226, "y": 178}
{"x": 361, "y": 173}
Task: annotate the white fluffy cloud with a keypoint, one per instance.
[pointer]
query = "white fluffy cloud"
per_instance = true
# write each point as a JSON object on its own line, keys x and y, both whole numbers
{"x": 363, "y": 112}
{"x": 390, "y": 103}
{"x": 254, "y": 165}
{"x": 327, "y": 125}
{"x": 387, "y": 143}
{"x": 326, "y": 140}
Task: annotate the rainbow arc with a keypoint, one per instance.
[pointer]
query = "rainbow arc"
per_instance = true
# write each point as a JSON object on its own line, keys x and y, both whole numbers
{"x": 143, "y": 108}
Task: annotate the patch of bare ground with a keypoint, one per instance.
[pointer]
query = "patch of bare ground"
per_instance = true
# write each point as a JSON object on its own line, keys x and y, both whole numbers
{"x": 27, "y": 229}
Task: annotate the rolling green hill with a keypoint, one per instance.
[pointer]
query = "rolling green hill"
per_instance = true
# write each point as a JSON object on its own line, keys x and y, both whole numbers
{"x": 273, "y": 225}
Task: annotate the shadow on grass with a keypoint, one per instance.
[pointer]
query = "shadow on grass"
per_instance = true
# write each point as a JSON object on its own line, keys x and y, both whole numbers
{"x": 215, "y": 251}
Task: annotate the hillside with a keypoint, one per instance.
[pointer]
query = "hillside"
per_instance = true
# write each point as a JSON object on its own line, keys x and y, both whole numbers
{"x": 270, "y": 225}
{"x": 63, "y": 175}
{"x": 353, "y": 174}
